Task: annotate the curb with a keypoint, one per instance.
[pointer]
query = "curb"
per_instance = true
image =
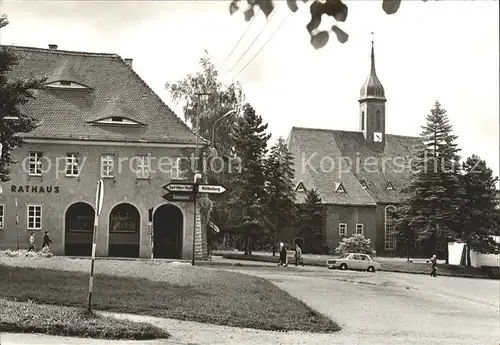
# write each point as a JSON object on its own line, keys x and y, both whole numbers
{"x": 381, "y": 270}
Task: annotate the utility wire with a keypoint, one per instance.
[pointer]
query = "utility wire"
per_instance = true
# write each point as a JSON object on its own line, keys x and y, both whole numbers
{"x": 261, "y": 48}
{"x": 251, "y": 44}
{"x": 237, "y": 43}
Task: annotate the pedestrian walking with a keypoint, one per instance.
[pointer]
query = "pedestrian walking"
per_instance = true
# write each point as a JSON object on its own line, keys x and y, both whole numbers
{"x": 32, "y": 242}
{"x": 46, "y": 240}
{"x": 298, "y": 255}
{"x": 282, "y": 261}
{"x": 433, "y": 261}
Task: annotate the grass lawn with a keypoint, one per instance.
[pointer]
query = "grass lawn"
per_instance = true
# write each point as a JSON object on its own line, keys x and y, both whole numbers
{"x": 29, "y": 317}
{"x": 159, "y": 289}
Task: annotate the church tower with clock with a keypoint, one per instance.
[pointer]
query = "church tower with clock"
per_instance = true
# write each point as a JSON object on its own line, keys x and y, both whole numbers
{"x": 372, "y": 109}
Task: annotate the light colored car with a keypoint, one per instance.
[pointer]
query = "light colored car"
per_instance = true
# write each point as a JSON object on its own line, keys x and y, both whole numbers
{"x": 354, "y": 261}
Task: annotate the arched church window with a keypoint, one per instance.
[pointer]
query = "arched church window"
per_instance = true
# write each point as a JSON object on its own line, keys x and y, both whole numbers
{"x": 362, "y": 120}
{"x": 378, "y": 121}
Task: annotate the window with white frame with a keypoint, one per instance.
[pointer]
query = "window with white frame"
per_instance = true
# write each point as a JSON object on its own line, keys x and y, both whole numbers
{"x": 179, "y": 168}
{"x": 390, "y": 221}
{"x": 35, "y": 163}
{"x": 107, "y": 165}
{"x": 72, "y": 161}
{"x": 34, "y": 217}
{"x": 142, "y": 167}
{"x": 2, "y": 216}
{"x": 342, "y": 229}
{"x": 360, "y": 229}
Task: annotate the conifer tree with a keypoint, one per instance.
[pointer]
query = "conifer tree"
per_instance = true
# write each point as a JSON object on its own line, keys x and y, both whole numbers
{"x": 280, "y": 194}
{"x": 434, "y": 194}
{"x": 311, "y": 220}
{"x": 247, "y": 196}
{"x": 479, "y": 215}
{"x": 13, "y": 93}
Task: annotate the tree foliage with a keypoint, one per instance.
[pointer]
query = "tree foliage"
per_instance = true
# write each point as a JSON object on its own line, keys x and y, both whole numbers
{"x": 202, "y": 93}
{"x": 355, "y": 244}
{"x": 311, "y": 221}
{"x": 479, "y": 215}
{"x": 336, "y": 9}
{"x": 435, "y": 193}
{"x": 13, "y": 93}
{"x": 247, "y": 186}
{"x": 280, "y": 194}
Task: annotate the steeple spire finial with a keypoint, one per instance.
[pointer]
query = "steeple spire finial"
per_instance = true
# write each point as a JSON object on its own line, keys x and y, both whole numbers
{"x": 372, "y": 88}
{"x": 373, "y": 55}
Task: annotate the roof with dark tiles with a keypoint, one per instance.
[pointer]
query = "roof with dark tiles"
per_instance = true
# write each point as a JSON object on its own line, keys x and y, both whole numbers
{"x": 324, "y": 158}
{"x": 115, "y": 90}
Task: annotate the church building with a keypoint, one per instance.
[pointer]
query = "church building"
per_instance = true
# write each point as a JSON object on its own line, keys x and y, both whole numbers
{"x": 97, "y": 119}
{"x": 357, "y": 174}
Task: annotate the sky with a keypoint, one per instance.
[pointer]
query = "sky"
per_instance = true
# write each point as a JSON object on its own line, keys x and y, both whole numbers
{"x": 427, "y": 51}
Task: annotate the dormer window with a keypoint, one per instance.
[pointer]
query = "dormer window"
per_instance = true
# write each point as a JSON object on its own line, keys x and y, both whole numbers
{"x": 66, "y": 84}
{"x": 390, "y": 186}
{"x": 300, "y": 188}
{"x": 339, "y": 187}
{"x": 118, "y": 120}
{"x": 363, "y": 184}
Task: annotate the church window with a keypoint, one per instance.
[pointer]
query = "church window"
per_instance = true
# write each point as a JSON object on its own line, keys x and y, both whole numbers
{"x": 389, "y": 231}
{"x": 362, "y": 120}
{"x": 378, "y": 121}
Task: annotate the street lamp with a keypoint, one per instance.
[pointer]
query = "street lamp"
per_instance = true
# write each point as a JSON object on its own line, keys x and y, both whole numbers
{"x": 230, "y": 112}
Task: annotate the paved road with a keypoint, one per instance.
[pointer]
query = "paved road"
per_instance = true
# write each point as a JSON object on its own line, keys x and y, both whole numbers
{"x": 396, "y": 308}
{"x": 379, "y": 308}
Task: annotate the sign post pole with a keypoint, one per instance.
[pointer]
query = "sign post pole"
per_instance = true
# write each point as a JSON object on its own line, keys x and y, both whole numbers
{"x": 194, "y": 221}
{"x": 98, "y": 201}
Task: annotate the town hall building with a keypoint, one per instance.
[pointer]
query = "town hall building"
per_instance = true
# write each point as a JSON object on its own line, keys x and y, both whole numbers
{"x": 97, "y": 119}
{"x": 357, "y": 174}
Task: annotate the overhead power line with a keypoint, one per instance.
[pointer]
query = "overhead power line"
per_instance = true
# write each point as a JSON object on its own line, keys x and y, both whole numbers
{"x": 261, "y": 48}
{"x": 251, "y": 44}
{"x": 237, "y": 43}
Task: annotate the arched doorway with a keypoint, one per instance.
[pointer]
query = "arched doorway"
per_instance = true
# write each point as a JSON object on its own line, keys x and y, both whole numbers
{"x": 79, "y": 227}
{"x": 124, "y": 231}
{"x": 168, "y": 227}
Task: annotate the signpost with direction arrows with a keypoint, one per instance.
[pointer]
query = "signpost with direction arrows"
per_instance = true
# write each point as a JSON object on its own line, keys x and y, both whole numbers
{"x": 187, "y": 192}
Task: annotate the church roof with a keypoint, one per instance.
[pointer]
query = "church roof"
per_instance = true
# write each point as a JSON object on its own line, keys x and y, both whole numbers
{"x": 372, "y": 88}
{"x": 325, "y": 158}
{"x": 104, "y": 87}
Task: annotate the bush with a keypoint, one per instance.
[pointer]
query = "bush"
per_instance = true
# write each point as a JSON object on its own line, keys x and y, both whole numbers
{"x": 44, "y": 253}
{"x": 355, "y": 244}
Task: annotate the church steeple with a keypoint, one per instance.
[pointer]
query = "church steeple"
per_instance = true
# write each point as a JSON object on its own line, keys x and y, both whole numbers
{"x": 372, "y": 87}
{"x": 372, "y": 109}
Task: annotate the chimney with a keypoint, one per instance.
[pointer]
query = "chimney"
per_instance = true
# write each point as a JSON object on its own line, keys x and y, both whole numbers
{"x": 128, "y": 61}
{"x": 53, "y": 46}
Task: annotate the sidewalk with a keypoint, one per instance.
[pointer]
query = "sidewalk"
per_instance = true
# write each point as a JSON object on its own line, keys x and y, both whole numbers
{"x": 186, "y": 333}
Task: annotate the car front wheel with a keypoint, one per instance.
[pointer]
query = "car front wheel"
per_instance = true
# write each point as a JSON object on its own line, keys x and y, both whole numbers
{"x": 343, "y": 267}
{"x": 371, "y": 269}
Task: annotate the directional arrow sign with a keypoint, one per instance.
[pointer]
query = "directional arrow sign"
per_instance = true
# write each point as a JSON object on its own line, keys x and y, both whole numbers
{"x": 176, "y": 196}
{"x": 179, "y": 187}
{"x": 213, "y": 189}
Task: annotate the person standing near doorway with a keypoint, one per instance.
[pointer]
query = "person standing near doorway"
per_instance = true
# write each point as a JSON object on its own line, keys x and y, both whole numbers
{"x": 32, "y": 242}
{"x": 434, "y": 265}
{"x": 46, "y": 240}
